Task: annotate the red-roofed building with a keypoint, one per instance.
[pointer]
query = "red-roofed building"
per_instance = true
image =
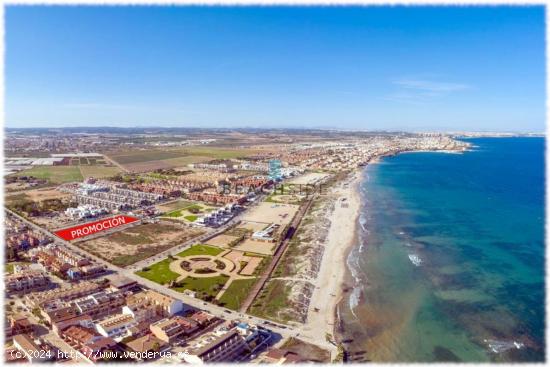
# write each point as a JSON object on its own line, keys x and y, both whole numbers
{"x": 97, "y": 350}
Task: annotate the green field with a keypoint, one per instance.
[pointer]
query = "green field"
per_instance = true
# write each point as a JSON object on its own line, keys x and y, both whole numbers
{"x": 144, "y": 156}
{"x": 99, "y": 171}
{"x": 174, "y": 214}
{"x": 272, "y": 301}
{"x": 178, "y": 213}
{"x": 186, "y": 213}
{"x": 176, "y": 205}
{"x": 9, "y": 266}
{"x": 200, "y": 250}
{"x": 159, "y": 272}
{"x": 292, "y": 194}
{"x": 206, "y": 288}
{"x": 184, "y": 161}
{"x": 219, "y": 153}
{"x": 191, "y": 218}
{"x": 55, "y": 174}
{"x": 236, "y": 293}
{"x": 177, "y": 157}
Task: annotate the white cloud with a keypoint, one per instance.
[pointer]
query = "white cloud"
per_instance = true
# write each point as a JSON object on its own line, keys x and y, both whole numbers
{"x": 420, "y": 91}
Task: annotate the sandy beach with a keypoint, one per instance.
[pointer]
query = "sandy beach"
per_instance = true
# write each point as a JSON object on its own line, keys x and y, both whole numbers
{"x": 329, "y": 284}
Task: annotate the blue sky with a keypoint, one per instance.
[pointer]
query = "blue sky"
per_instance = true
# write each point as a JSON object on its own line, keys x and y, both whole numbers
{"x": 407, "y": 68}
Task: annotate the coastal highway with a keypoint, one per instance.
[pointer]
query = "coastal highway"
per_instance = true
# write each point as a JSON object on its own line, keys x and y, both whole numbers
{"x": 222, "y": 312}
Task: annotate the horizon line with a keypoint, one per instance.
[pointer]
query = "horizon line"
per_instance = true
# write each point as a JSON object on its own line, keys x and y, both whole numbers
{"x": 278, "y": 128}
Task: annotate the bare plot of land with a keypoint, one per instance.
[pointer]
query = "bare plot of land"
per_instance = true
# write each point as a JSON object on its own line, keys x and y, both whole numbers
{"x": 310, "y": 351}
{"x": 13, "y": 187}
{"x": 140, "y": 242}
{"x": 43, "y": 194}
{"x": 286, "y": 199}
{"x": 46, "y": 206}
{"x": 251, "y": 265}
{"x": 267, "y": 212}
{"x": 234, "y": 256}
{"x": 54, "y": 221}
{"x": 253, "y": 226}
{"x": 250, "y": 262}
{"x": 308, "y": 178}
{"x": 249, "y": 245}
{"x": 222, "y": 240}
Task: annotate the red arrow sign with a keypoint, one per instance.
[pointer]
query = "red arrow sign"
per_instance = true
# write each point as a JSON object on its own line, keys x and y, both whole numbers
{"x": 88, "y": 229}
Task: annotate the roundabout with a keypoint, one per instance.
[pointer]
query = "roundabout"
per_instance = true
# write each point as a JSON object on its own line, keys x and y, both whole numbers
{"x": 210, "y": 272}
{"x": 205, "y": 266}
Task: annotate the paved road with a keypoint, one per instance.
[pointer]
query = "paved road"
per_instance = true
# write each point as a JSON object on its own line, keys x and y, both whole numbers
{"x": 219, "y": 311}
{"x": 179, "y": 248}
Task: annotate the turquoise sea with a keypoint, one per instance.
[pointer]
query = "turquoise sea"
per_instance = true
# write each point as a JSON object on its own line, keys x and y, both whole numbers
{"x": 449, "y": 264}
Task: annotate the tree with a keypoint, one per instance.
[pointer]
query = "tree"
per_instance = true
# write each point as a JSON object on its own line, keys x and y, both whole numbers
{"x": 12, "y": 254}
{"x": 156, "y": 346}
{"x": 340, "y": 356}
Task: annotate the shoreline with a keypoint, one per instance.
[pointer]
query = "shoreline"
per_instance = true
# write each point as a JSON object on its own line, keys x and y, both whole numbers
{"x": 379, "y": 326}
{"x": 334, "y": 275}
{"x": 329, "y": 286}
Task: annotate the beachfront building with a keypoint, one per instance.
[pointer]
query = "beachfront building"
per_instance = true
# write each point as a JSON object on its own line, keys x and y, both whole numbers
{"x": 266, "y": 234}
{"x": 230, "y": 343}
{"x": 225, "y": 348}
